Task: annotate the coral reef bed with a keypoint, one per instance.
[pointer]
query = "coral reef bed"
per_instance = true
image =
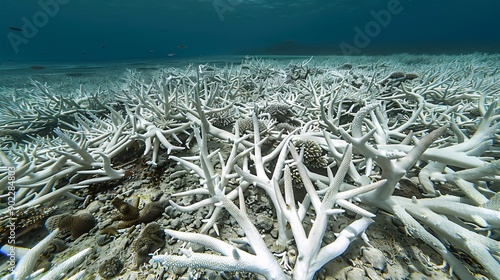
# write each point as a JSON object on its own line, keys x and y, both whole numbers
{"x": 320, "y": 168}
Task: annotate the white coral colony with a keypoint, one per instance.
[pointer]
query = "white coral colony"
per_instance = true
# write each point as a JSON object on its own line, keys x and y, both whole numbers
{"x": 355, "y": 143}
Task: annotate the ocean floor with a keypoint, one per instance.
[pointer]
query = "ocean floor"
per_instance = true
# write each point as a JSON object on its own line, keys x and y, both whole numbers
{"x": 114, "y": 154}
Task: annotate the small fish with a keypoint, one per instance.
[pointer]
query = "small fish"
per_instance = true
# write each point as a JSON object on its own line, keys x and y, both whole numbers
{"x": 182, "y": 46}
{"x": 37, "y": 67}
{"x": 15, "y": 28}
{"x": 170, "y": 54}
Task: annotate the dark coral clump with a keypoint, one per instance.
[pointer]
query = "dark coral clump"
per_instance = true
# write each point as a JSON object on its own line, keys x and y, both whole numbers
{"x": 313, "y": 154}
{"x": 15, "y": 134}
{"x": 247, "y": 125}
{"x": 280, "y": 112}
{"x": 128, "y": 212}
{"x": 396, "y": 75}
{"x": 285, "y": 127}
{"x": 77, "y": 224}
{"x": 18, "y": 135}
{"x": 131, "y": 215}
{"x": 396, "y": 78}
{"x": 411, "y": 76}
{"x": 110, "y": 268}
{"x": 296, "y": 179}
{"x": 222, "y": 119}
{"x": 152, "y": 211}
{"x": 313, "y": 158}
{"x": 152, "y": 238}
{"x": 298, "y": 73}
{"x": 346, "y": 66}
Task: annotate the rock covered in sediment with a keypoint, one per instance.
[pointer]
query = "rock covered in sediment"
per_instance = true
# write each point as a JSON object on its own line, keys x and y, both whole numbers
{"x": 94, "y": 207}
{"x": 355, "y": 273}
{"x": 375, "y": 257}
{"x": 264, "y": 222}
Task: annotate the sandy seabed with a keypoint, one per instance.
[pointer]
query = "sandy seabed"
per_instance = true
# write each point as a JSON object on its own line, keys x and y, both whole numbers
{"x": 134, "y": 144}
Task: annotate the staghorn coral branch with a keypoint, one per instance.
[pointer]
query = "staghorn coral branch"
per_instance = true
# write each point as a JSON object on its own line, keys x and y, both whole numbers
{"x": 57, "y": 272}
{"x": 393, "y": 171}
{"x": 311, "y": 257}
{"x": 87, "y": 159}
{"x": 111, "y": 174}
{"x": 208, "y": 170}
{"x": 341, "y": 243}
{"x": 413, "y": 212}
{"x": 52, "y": 196}
{"x": 478, "y": 246}
{"x": 25, "y": 266}
{"x": 233, "y": 259}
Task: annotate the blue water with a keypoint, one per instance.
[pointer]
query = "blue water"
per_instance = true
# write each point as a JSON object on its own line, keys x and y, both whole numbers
{"x": 93, "y": 30}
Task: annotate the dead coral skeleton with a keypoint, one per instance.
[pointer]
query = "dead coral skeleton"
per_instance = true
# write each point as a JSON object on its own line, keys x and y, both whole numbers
{"x": 441, "y": 127}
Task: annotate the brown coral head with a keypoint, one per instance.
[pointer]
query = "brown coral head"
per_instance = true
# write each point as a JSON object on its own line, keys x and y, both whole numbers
{"x": 411, "y": 76}
{"x": 313, "y": 153}
{"x": 152, "y": 238}
{"x": 149, "y": 213}
{"x": 54, "y": 222}
{"x": 154, "y": 231}
{"x": 286, "y": 127}
{"x": 77, "y": 224}
{"x": 280, "y": 112}
{"x": 396, "y": 75}
{"x": 110, "y": 268}
{"x": 247, "y": 125}
{"x": 128, "y": 211}
{"x": 152, "y": 211}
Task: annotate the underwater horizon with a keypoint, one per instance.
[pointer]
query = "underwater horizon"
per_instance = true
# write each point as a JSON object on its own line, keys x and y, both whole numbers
{"x": 89, "y": 30}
